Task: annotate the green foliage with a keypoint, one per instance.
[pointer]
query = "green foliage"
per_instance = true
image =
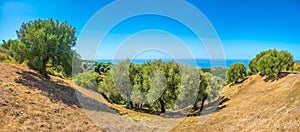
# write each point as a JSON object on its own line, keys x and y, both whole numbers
{"x": 216, "y": 71}
{"x": 102, "y": 67}
{"x": 214, "y": 86}
{"x": 18, "y": 50}
{"x": 158, "y": 85}
{"x": 120, "y": 74}
{"x": 5, "y": 45}
{"x": 219, "y": 72}
{"x": 56, "y": 73}
{"x": 272, "y": 62}
{"x": 5, "y": 56}
{"x": 189, "y": 86}
{"x": 44, "y": 41}
{"x": 235, "y": 73}
{"x": 297, "y": 66}
{"x": 108, "y": 89}
{"x": 87, "y": 80}
{"x": 77, "y": 64}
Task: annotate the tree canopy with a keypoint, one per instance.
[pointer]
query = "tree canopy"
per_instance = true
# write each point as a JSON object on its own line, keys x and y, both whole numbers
{"x": 46, "y": 43}
{"x": 236, "y": 72}
{"x": 272, "y": 62}
{"x": 158, "y": 86}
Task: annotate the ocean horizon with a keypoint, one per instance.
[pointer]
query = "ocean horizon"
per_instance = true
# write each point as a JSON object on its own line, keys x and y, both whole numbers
{"x": 202, "y": 63}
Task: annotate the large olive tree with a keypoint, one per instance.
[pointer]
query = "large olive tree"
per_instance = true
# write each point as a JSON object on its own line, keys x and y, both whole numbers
{"x": 48, "y": 43}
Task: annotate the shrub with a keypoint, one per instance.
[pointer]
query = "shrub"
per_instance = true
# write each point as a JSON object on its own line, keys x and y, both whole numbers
{"x": 235, "y": 73}
{"x": 297, "y": 66}
{"x": 271, "y": 63}
{"x": 87, "y": 80}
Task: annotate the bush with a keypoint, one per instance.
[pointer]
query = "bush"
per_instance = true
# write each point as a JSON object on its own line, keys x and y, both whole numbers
{"x": 56, "y": 73}
{"x": 297, "y": 66}
{"x": 271, "y": 63}
{"x": 235, "y": 73}
{"x": 4, "y": 56}
{"x": 87, "y": 80}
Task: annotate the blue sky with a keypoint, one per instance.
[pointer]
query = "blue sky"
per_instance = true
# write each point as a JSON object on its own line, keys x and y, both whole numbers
{"x": 245, "y": 27}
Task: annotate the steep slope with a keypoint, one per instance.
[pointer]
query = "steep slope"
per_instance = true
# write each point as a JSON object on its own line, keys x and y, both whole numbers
{"x": 254, "y": 105}
{"x": 30, "y": 103}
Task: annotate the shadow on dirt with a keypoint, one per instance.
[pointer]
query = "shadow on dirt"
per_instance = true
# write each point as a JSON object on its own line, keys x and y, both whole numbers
{"x": 57, "y": 91}
{"x": 281, "y": 75}
{"x": 209, "y": 108}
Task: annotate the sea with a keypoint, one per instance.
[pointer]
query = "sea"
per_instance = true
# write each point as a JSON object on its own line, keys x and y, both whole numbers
{"x": 202, "y": 63}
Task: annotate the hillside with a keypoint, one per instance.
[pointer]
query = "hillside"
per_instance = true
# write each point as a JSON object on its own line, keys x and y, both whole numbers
{"x": 30, "y": 103}
{"x": 255, "y": 105}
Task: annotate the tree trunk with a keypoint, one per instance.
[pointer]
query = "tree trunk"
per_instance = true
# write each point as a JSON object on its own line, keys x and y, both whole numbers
{"x": 162, "y": 106}
{"x": 202, "y": 103}
{"x": 43, "y": 70}
{"x": 195, "y": 106}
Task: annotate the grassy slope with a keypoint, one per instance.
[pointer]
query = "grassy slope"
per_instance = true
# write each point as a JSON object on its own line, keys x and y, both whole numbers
{"x": 255, "y": 105}
{"x": 28, "y": 102}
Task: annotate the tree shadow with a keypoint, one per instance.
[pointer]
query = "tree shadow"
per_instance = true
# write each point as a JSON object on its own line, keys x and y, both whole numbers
{"x": 281, "y": 75}
{"x": 239, "y": 82}
{"x": 58, "y": 91}
{"x": 223, "y": 100}
{"x": 211, "y": 107}
{"x": 146, "y": 111}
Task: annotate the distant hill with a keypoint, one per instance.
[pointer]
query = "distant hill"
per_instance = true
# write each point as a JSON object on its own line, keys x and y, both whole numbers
{"x": 255, "y": 105}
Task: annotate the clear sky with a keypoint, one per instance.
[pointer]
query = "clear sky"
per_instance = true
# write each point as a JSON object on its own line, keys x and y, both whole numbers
{"x": 245, "y": 27}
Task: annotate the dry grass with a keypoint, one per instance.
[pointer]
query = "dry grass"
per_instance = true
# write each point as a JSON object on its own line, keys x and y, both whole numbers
{"x": 255, "y": 105}
{"x": 30, "y": 103}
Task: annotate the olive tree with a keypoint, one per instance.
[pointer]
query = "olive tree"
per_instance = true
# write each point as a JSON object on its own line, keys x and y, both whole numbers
{"x": 271, "y": 62}
{"x": 236, "y": 72}
{"x": 48, "y": 43}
